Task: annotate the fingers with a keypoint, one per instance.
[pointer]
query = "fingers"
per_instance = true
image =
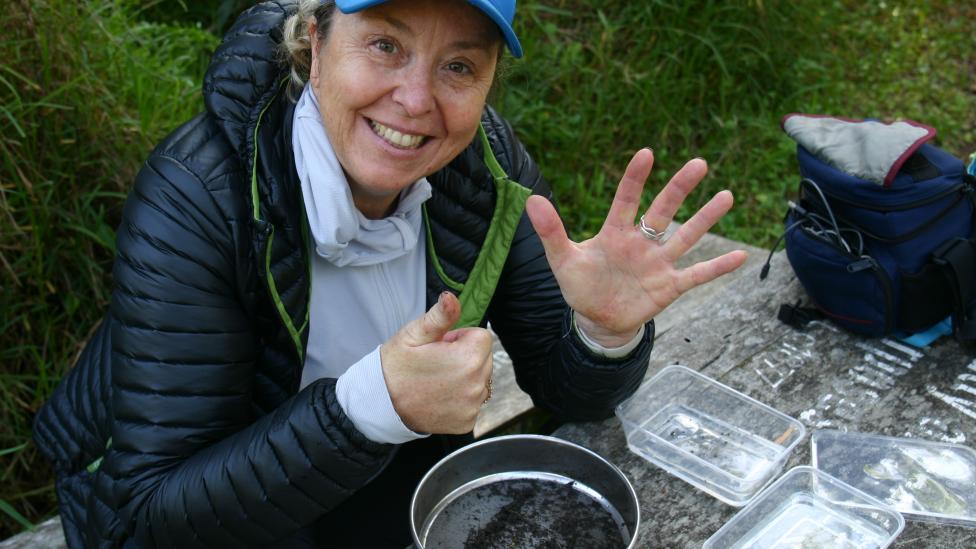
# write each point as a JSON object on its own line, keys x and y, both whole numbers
{"x": 435, "y": 323}
{"x": 545, "y": 220}
{"x": 626, "y": 201}
{"x": 706, "y": 271}
{"x": 474, "y": 372}
{"x": 439, "y": 387}
{"x": 667, "y": 202}
{"x": 699, "y": 224}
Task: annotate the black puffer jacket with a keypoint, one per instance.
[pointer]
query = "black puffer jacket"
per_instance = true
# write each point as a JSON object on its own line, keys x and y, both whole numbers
{"x": 192, "y": 378}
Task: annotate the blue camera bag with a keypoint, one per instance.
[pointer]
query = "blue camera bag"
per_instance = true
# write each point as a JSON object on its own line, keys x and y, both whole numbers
{"x": 881, "y": 237}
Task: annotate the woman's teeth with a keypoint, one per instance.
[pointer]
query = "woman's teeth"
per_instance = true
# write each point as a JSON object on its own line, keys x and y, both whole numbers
{"x": 395, "y": 138}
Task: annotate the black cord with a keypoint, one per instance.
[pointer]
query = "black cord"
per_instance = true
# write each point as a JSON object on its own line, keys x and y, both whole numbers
{"x": 833, "y": 220}
{"x": 818, "y": 227}
{"x": 765, "y": 268}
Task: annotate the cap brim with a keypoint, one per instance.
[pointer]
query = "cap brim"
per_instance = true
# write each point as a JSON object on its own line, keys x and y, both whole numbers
{"x": 512, "y": 41}
{"x": 514, "y": 45}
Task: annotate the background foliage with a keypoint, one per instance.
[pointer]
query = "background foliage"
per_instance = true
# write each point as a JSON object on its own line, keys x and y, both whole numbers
{"x": 87, "y": 87}
{"x": 713, "y": 79}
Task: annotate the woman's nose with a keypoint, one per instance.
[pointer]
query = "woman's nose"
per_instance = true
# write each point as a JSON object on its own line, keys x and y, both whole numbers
{"x": 415, "y": 92}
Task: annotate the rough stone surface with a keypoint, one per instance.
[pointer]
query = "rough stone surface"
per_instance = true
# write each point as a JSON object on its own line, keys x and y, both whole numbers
{"x": 47, "y": 535}
{"x": 826, "y": 378}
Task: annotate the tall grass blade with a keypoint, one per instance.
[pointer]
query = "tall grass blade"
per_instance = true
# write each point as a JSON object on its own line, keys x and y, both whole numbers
{"x": 12, "y": 513}
{"x": 13, "y": 450}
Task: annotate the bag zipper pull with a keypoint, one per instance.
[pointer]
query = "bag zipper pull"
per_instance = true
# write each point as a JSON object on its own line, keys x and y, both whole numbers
{"x": 860, "y": 265}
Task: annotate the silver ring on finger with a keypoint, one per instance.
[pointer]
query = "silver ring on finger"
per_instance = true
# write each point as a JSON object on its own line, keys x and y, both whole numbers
{"x": 650, "y": 232}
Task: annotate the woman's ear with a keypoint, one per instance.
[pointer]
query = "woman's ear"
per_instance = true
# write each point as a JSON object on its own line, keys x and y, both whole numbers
{"x": 314, "y": 42}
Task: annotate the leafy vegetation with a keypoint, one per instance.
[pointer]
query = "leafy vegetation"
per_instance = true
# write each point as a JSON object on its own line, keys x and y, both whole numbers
{"x": 713, "y": 79}
{"x": 88, "y": 87}
{"x": 85, "y": 92}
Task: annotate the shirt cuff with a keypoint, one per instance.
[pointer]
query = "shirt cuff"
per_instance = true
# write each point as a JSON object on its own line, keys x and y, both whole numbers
{"x": 365, "y": 399}
{"x": 608, "y": 352}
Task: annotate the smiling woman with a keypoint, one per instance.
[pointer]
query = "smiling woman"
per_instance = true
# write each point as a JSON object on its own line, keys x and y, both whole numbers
{"x": 401, "y": 91}
{"x": 303, "y": 283}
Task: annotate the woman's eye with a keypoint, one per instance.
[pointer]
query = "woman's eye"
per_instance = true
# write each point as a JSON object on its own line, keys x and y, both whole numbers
{"x": 385, "y": 46}
{"x": 458, "y": 67}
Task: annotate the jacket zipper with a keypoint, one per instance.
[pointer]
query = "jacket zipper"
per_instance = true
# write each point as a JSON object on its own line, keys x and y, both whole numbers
{"x": 286, "y": 319}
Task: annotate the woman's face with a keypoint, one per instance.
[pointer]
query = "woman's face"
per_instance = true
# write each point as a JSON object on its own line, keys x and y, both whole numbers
{"x": 401, "y": 87}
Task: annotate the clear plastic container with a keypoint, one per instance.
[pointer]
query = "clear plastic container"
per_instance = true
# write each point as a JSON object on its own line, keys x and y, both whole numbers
{"x": 714, "y": 437}
{"x": 924, "y": 480}
{"x": 809, "y": 509}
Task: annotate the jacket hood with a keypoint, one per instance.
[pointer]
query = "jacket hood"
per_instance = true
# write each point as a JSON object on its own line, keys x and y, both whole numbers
{"x": 246, "y": 70}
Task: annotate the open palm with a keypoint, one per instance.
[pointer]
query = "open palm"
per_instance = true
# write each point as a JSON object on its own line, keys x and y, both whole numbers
{"x": 620, "y": 279}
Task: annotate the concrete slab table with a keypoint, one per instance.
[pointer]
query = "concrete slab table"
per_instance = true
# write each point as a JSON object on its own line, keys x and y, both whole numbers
{"x": 826, "y": 378}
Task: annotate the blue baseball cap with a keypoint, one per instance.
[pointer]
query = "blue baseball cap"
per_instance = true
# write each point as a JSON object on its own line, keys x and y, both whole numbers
{"x": 502, "y": 12}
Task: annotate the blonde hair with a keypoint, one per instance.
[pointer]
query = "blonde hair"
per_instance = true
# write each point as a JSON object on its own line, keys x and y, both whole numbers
{"x": 296, "y": 48}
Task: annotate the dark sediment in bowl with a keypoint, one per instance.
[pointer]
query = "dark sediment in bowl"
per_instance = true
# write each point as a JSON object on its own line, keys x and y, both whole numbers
{"x": 527, "y": 513}
{"x": 525, "y": 492}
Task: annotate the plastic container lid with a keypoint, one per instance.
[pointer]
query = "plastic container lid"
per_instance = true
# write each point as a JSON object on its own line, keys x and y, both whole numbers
{"x": 713, "y": 437}
{"x": 926, "y": 481}
{"x": 810, "y": 509}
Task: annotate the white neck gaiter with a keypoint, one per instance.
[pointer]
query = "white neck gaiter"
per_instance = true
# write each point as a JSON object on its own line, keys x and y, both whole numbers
{"x": 368, "y": 280}
{"x": 341, "y": 234}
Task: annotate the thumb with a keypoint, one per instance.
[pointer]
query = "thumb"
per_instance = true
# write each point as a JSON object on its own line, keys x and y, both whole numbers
{"x": 437, "y": 321}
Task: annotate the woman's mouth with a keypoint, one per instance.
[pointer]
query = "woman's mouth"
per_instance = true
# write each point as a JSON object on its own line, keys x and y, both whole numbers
{"x": 395, "y": 138}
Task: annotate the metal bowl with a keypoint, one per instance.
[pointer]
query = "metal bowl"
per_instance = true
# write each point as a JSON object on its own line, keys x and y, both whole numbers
{"x": 524, "y": 491}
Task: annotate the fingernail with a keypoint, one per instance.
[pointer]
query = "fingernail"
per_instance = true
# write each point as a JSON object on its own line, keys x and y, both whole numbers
{"x": 440, "y": 298}
{"x": 650, "y": 148}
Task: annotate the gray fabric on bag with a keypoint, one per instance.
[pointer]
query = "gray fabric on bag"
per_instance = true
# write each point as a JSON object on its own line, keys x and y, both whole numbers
{"x": 865, "y": 149}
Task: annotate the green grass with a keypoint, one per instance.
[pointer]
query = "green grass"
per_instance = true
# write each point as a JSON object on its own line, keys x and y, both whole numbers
{"x": 687, "y": 79}
{"x": 88, "y": 87}
{"x": 712, "y": 79}
{"x": 85, "y": 92}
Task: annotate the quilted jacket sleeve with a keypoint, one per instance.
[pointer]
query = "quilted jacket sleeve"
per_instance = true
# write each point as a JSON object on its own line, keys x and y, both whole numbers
{"x": 534, "y": 322}
{"x": 189, "y": 462}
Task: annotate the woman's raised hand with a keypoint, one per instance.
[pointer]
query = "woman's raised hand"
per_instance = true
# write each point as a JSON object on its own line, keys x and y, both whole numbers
{"x": 437, "y": 377}
{"x": 621, "y": 278}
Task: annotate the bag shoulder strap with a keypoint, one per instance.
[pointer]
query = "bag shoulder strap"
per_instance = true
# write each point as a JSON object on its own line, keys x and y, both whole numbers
{"x": 796, "y": 316}
{"x": 957, "y": 259}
